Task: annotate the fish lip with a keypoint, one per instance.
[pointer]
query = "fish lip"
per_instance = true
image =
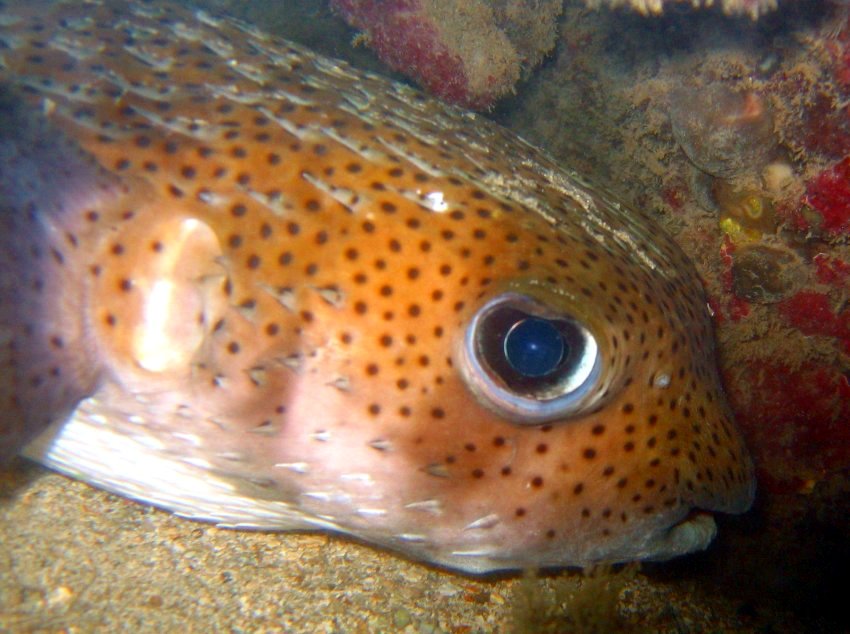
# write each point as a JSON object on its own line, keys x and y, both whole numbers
{"x": 693, "y": 533}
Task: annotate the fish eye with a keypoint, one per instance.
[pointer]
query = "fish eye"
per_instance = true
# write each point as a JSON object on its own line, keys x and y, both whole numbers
{"x": 529, "y": 362}
{"x": 534, "y": 347}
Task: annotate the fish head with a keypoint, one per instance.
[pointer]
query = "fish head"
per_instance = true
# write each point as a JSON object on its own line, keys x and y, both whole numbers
{"x": 486, "y": 389}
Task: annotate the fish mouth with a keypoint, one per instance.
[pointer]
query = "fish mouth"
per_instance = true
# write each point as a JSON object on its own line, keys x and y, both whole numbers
{"x": 692, "y": 534}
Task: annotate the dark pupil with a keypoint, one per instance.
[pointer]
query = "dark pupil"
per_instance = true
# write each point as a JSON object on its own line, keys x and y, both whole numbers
{"x": 534, "y": 347}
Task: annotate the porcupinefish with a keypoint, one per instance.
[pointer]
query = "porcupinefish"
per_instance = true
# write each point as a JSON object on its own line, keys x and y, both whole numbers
{"x": 254, "y": 286}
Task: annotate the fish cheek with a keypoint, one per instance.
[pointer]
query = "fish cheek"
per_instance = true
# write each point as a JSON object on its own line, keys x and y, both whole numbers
{"x": 158, "y": 293}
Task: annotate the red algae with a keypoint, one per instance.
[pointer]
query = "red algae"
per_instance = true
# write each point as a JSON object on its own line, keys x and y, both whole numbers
{"x": 812, "y": 314}
{"x": 824, "y": 128}
{"x": 829, "y": 195}
{"x": 468, "y": 53}
{"x": 408, "y": 41}
{"x": 674, "y": 196}
{"x": 797, "y": 416}
{"x": 728, "y": 306}
{"x": 830, "y": 270}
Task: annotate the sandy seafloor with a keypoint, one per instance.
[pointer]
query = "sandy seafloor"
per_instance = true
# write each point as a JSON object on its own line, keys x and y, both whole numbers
{"x": 75, "y": 559}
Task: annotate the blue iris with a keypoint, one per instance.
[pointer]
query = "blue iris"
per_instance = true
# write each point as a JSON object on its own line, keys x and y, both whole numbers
{"x": 534, "y": 347}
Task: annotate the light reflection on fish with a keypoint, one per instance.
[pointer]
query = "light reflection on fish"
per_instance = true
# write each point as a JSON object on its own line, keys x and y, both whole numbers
{"x": 273, "y": 292}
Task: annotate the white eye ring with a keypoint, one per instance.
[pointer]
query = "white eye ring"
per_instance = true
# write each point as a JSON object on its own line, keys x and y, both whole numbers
{"x": 562, "y": 391}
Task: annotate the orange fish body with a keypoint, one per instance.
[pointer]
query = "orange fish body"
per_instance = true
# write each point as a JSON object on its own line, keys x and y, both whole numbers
{"x": 257, "y": 287}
